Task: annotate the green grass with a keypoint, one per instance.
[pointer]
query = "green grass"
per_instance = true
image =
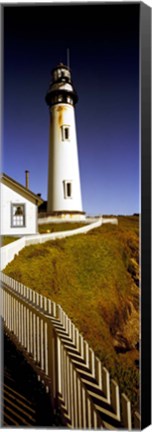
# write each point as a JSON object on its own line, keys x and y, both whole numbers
{"x": 60, "y": 226}
{"x": 7, "y": 239}
{"x": 94, "y": 277}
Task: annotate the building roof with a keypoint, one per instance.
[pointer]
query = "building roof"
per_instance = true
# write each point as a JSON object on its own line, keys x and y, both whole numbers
{"x": 18, "y": 187}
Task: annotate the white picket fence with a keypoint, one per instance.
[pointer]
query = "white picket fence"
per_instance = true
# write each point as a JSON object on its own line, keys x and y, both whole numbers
{"x": 8, "y": 252}
{"x": 80, "y": 387}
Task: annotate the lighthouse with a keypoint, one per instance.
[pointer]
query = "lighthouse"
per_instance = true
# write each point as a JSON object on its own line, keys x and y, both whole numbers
{"x": 64, "y": 189}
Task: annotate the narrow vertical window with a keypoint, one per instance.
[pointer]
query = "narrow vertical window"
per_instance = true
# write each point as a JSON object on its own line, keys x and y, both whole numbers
{"x": 62, "y": 76}
{"x": 65, "y": 133}
{"x": 67, "y": 188}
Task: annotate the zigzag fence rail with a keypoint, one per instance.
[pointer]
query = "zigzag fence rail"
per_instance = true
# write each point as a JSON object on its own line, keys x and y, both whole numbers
{"x": 80, "y": 387}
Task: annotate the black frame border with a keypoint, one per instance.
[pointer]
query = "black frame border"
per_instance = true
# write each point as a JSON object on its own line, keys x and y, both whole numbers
{"x": 145, "y": 136}
{"x": 145, "y": 227}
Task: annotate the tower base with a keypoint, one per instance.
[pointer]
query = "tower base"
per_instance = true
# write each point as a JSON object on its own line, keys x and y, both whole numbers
{"x": 57, "y": 216}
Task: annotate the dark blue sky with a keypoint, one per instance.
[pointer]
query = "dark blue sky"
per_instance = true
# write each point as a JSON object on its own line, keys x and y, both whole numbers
{"x": 104, "y": 58}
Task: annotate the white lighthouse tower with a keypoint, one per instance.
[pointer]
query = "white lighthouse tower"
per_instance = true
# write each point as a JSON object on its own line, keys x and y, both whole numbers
{"x": 64, "y": 190}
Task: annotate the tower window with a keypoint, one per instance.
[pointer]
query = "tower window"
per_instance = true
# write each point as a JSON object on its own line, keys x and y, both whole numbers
{"x": 67, "y": 186}
{"x": 18, "y": 215}
{"x": 68, "y": 189}
{"x": 65, "y": 132}
{"x": 60, "y": 98}
{"x": 59, "y": 73}
{"x": 55, "y": 76}
{"x": 69, "y": 100}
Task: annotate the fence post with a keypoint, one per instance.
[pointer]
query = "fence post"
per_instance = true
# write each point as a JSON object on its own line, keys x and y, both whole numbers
{"x": 52, "y": 364}
{"x": 86, "y": 353}
{"x": 98, "y": 372}
{"x": 73, "y": 333}
{"x": 59, "y": 363}
{"x": 106, "y": 383}
{"x": 126, "y": 412}
{"x": 92, "y": 362}
{"x": 58, "y": 307}
{"x": 115, "y": 399}
{"x": 137, "y": 421}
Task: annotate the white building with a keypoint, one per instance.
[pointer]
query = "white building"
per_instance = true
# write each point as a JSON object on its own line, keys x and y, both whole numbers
{"x": 18, "y": 212}
{"x": 64, "y": 189}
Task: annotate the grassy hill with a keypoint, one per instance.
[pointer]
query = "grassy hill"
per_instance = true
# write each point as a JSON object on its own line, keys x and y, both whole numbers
{"x": 7, "y": 239}
{"x": 60, "y": 226}
{"x": 95, "y": 277}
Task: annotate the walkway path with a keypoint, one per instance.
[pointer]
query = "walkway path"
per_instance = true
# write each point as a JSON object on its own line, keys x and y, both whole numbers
{"x": 25, "y": 401}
